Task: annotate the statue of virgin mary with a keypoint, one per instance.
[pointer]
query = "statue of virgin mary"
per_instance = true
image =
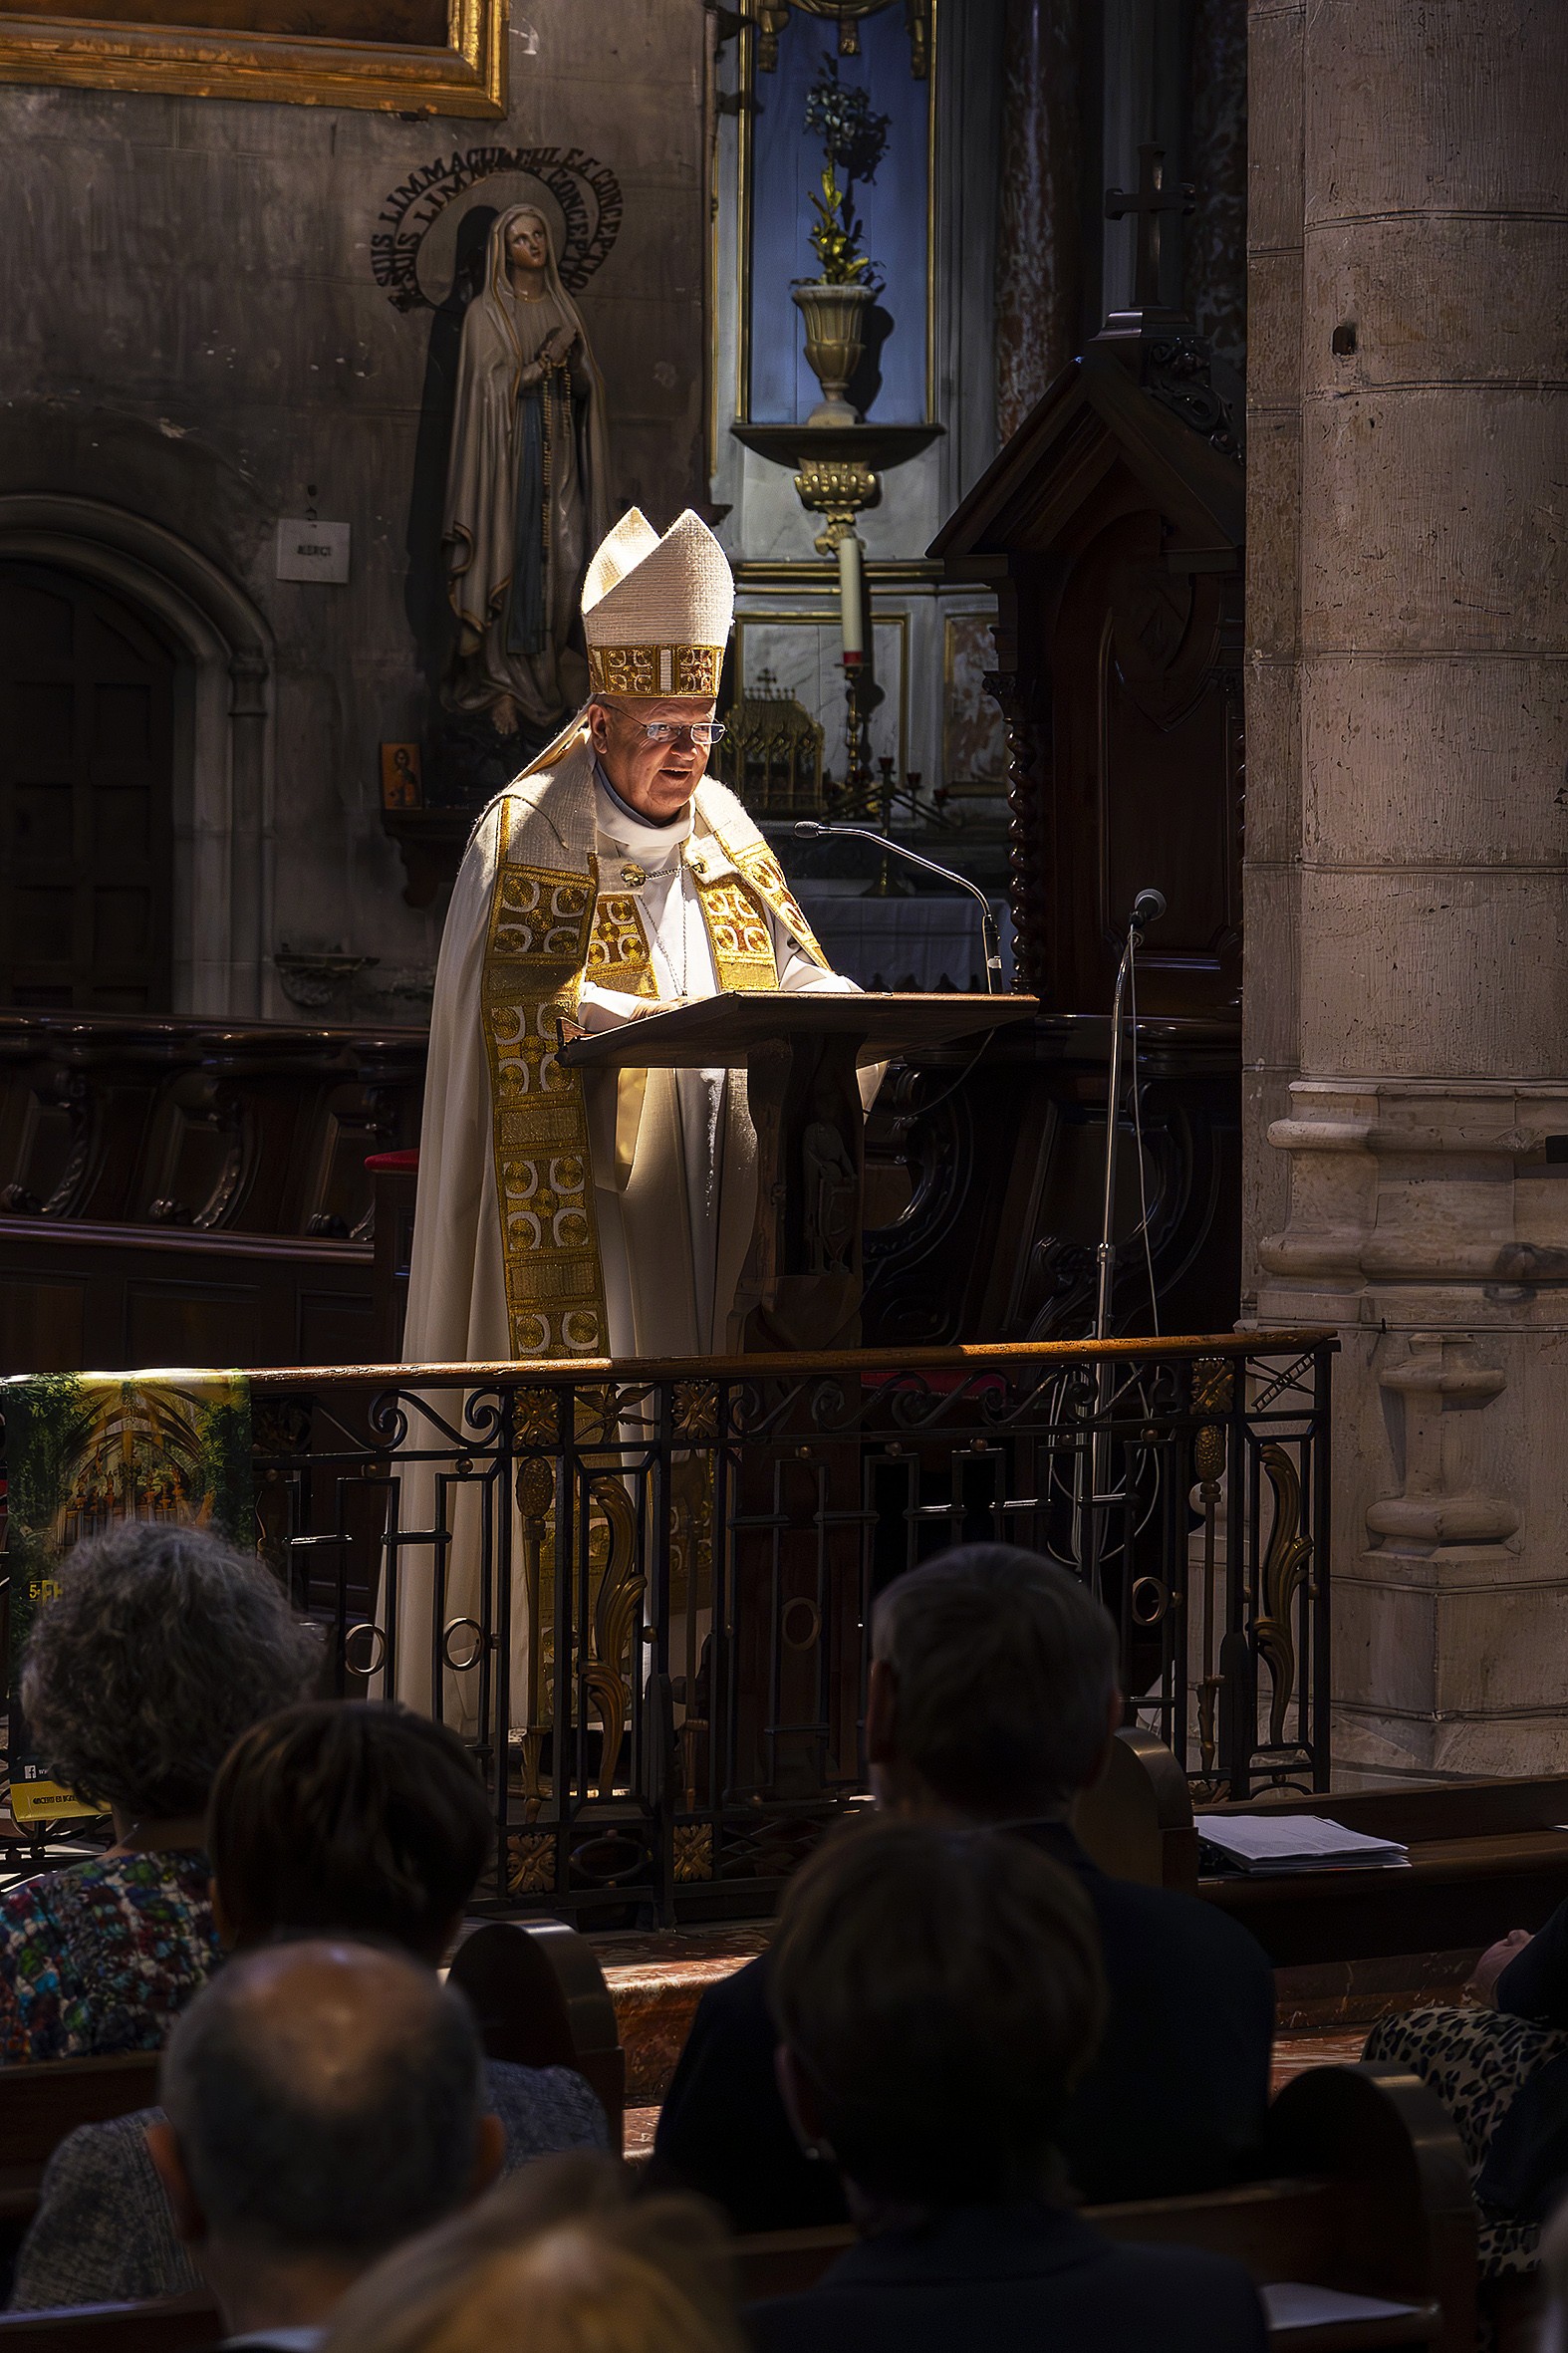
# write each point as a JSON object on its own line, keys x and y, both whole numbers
{"x": 527, "y": 488}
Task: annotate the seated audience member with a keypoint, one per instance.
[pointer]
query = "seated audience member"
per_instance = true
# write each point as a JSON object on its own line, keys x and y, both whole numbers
{"x": 365, "y": 1821}
{"x": 936, "y": 1993}
{"x": 993, "y": 1699}
{"x": 163, "y": 1645}
{"x": 1501, "y": 2071}
{"x": 322, "y": 2103}
{"x": 555, "y": 2259}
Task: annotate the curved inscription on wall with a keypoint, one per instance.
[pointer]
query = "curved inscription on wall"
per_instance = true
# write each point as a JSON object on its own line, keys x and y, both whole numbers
{"x": 586, "y": 191}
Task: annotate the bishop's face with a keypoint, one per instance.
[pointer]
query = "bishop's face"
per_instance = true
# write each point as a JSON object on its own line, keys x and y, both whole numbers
{"x": 655, "y": 775}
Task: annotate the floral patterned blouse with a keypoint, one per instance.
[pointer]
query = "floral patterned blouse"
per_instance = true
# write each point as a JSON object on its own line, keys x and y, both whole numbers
{"x": 102, "y": 1957}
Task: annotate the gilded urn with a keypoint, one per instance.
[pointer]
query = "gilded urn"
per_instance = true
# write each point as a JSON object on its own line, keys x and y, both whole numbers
{"x": 834, "y": 316}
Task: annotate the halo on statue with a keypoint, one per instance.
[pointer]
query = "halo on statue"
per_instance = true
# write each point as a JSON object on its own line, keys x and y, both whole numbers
{"x": 436, "y": 262}
{"x": 414, "y": 237}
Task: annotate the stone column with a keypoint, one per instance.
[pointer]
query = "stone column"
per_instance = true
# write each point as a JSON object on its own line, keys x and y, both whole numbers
{"x": 1272, "y": 879}
{"x": 1039, "y": 280}
{"x": 1427, "y": 1136}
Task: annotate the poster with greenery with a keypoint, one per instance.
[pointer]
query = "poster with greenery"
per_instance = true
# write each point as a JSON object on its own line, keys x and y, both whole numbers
{"x": 84, "y": 1451}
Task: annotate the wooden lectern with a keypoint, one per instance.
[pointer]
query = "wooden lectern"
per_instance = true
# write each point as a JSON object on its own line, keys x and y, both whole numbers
{"x": 801, "y": 1283}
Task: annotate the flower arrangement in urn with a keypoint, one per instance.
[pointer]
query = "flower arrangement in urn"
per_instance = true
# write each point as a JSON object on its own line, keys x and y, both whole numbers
{"x": 854, "y": 140}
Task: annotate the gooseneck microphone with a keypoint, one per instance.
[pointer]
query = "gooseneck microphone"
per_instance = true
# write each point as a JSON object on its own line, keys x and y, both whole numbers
{"x": 810, "y": 829}
{"x": 1147, "y": 907}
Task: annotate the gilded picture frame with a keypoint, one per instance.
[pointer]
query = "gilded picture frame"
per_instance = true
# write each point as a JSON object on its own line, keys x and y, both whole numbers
{"x": 465, "y": 76}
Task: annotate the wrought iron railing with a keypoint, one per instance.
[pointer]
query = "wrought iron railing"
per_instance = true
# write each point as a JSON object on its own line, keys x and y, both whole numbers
{"x": 643, "y": 1590}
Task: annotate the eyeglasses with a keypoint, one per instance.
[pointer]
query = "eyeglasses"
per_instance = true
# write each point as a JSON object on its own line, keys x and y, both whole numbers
{"x": 705, "y": 732}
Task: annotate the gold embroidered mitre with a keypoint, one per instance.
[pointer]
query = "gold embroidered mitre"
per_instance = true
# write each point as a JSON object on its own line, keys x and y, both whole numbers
{"x": 657, "y": 612}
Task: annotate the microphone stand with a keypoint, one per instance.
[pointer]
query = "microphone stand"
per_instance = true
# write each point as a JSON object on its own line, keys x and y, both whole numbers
{"x": 1147, "y": 907}
{"x": 809, "y": 828}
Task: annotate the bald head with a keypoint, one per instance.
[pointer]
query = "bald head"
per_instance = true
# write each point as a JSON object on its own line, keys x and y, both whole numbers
{"x": 325, "y": 2098}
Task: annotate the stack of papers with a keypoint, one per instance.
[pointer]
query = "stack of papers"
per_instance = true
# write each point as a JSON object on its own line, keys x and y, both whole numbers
{"x": 1295, "y": 1842}
{"x": 1291, "y": 2304}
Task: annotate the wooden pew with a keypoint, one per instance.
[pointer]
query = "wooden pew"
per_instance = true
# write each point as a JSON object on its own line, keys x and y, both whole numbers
{"x": 1365, "y": 2192}
{"x": 540, "y": 1999}
{"x": 1484, "y": 1857}
{"x": 40, "y": 2104}
{"x": 192, "y": 1191}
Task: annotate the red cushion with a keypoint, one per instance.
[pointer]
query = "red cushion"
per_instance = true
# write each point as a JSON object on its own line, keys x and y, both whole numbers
{"x": 382, "y": 1161}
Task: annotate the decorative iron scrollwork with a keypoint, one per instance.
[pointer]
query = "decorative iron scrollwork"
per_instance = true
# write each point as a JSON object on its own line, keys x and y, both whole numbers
{"x": 1284, "y": 1569}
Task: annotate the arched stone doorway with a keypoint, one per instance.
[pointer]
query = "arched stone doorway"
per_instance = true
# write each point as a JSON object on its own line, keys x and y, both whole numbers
{"x": 86, "y": 752}
{"x": 219, "y": 865}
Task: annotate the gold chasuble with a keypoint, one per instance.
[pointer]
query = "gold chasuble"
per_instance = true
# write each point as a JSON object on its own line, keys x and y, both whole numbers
{"x": 552, "y": 925}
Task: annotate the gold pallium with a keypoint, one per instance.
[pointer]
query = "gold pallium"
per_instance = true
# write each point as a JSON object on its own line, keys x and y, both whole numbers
{"x": 655, "y": 669}
{"x": 618, "y": 956}
{"x": 539, "y": 941}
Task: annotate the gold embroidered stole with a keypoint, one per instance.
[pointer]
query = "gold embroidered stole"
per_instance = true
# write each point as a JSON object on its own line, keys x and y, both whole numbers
{"x": 763, "y": 872}
{"x": 540, "y": 925}
{"x": 551, "y": 931}
{"x": 620, "y": 957}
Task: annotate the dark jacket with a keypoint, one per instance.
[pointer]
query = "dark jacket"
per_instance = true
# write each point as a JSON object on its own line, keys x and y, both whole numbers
{"x": 1525, "y": 2168}
{"x": 1016, "y": 2280}
{"x": 1535, "y": 1983}
{"x": 1175, "y": 2100}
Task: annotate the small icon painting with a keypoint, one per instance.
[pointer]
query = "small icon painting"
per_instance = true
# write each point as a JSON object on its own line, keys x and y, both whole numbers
{"x": 402, "y": 785}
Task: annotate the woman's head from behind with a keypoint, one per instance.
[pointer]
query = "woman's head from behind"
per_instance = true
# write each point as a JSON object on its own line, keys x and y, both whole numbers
{"x": 937, "y": 1994}
{"x": 164, "y": 1644}
{"x": 359, "y": 1819}
{"x": 557, "y": 2260}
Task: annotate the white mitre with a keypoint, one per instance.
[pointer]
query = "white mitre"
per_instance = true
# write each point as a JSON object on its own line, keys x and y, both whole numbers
{"x": 657, "y": 612}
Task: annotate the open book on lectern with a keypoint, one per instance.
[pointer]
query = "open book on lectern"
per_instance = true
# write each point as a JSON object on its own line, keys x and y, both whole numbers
{"x": 720, "y": 1031}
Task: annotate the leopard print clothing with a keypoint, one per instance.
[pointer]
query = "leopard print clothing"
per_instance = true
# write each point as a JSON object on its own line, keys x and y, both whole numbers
{"x": 1475, "y": 2060}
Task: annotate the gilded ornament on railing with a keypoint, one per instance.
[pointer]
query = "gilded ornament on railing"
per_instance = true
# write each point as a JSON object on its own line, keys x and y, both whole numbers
{"x": 697, "y": 1411}
{"x": 616, "y": 1612}
{"x": 530, "y": 1862}
{"x": 693, "y": 1851}
{"x": 536, "y": 1417}
{"x": 1284, "y": 1570}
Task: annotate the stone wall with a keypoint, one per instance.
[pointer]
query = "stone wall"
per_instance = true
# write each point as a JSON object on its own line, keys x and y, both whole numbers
{"x": 196, "y": 340}
{"x": 1412, "y": 807}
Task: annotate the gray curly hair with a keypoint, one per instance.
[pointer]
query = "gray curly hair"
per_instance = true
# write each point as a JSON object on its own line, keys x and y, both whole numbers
{"x": 163, "y": 1646}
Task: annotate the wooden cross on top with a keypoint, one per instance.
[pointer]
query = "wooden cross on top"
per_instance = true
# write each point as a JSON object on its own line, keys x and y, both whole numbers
{"x": 1149, "y": 203}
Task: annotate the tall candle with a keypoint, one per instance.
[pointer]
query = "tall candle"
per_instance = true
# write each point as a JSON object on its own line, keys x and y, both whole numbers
{"x": 849, "y": 599}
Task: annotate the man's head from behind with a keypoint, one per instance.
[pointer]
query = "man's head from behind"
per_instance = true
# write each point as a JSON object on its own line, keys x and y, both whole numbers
{"x": 365, "y": 1820}
{"x": 322, "y": 2102}
{"x": 994, "y": 1690}
{"x": 936, "y": 1994}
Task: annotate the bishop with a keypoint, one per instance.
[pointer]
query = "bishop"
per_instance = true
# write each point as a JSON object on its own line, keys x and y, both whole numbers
{"x": 564, "y": 1217}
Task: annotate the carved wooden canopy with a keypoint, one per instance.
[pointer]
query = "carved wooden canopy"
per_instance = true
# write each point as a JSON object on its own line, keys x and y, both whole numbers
{"x": 1110, "y": 527}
